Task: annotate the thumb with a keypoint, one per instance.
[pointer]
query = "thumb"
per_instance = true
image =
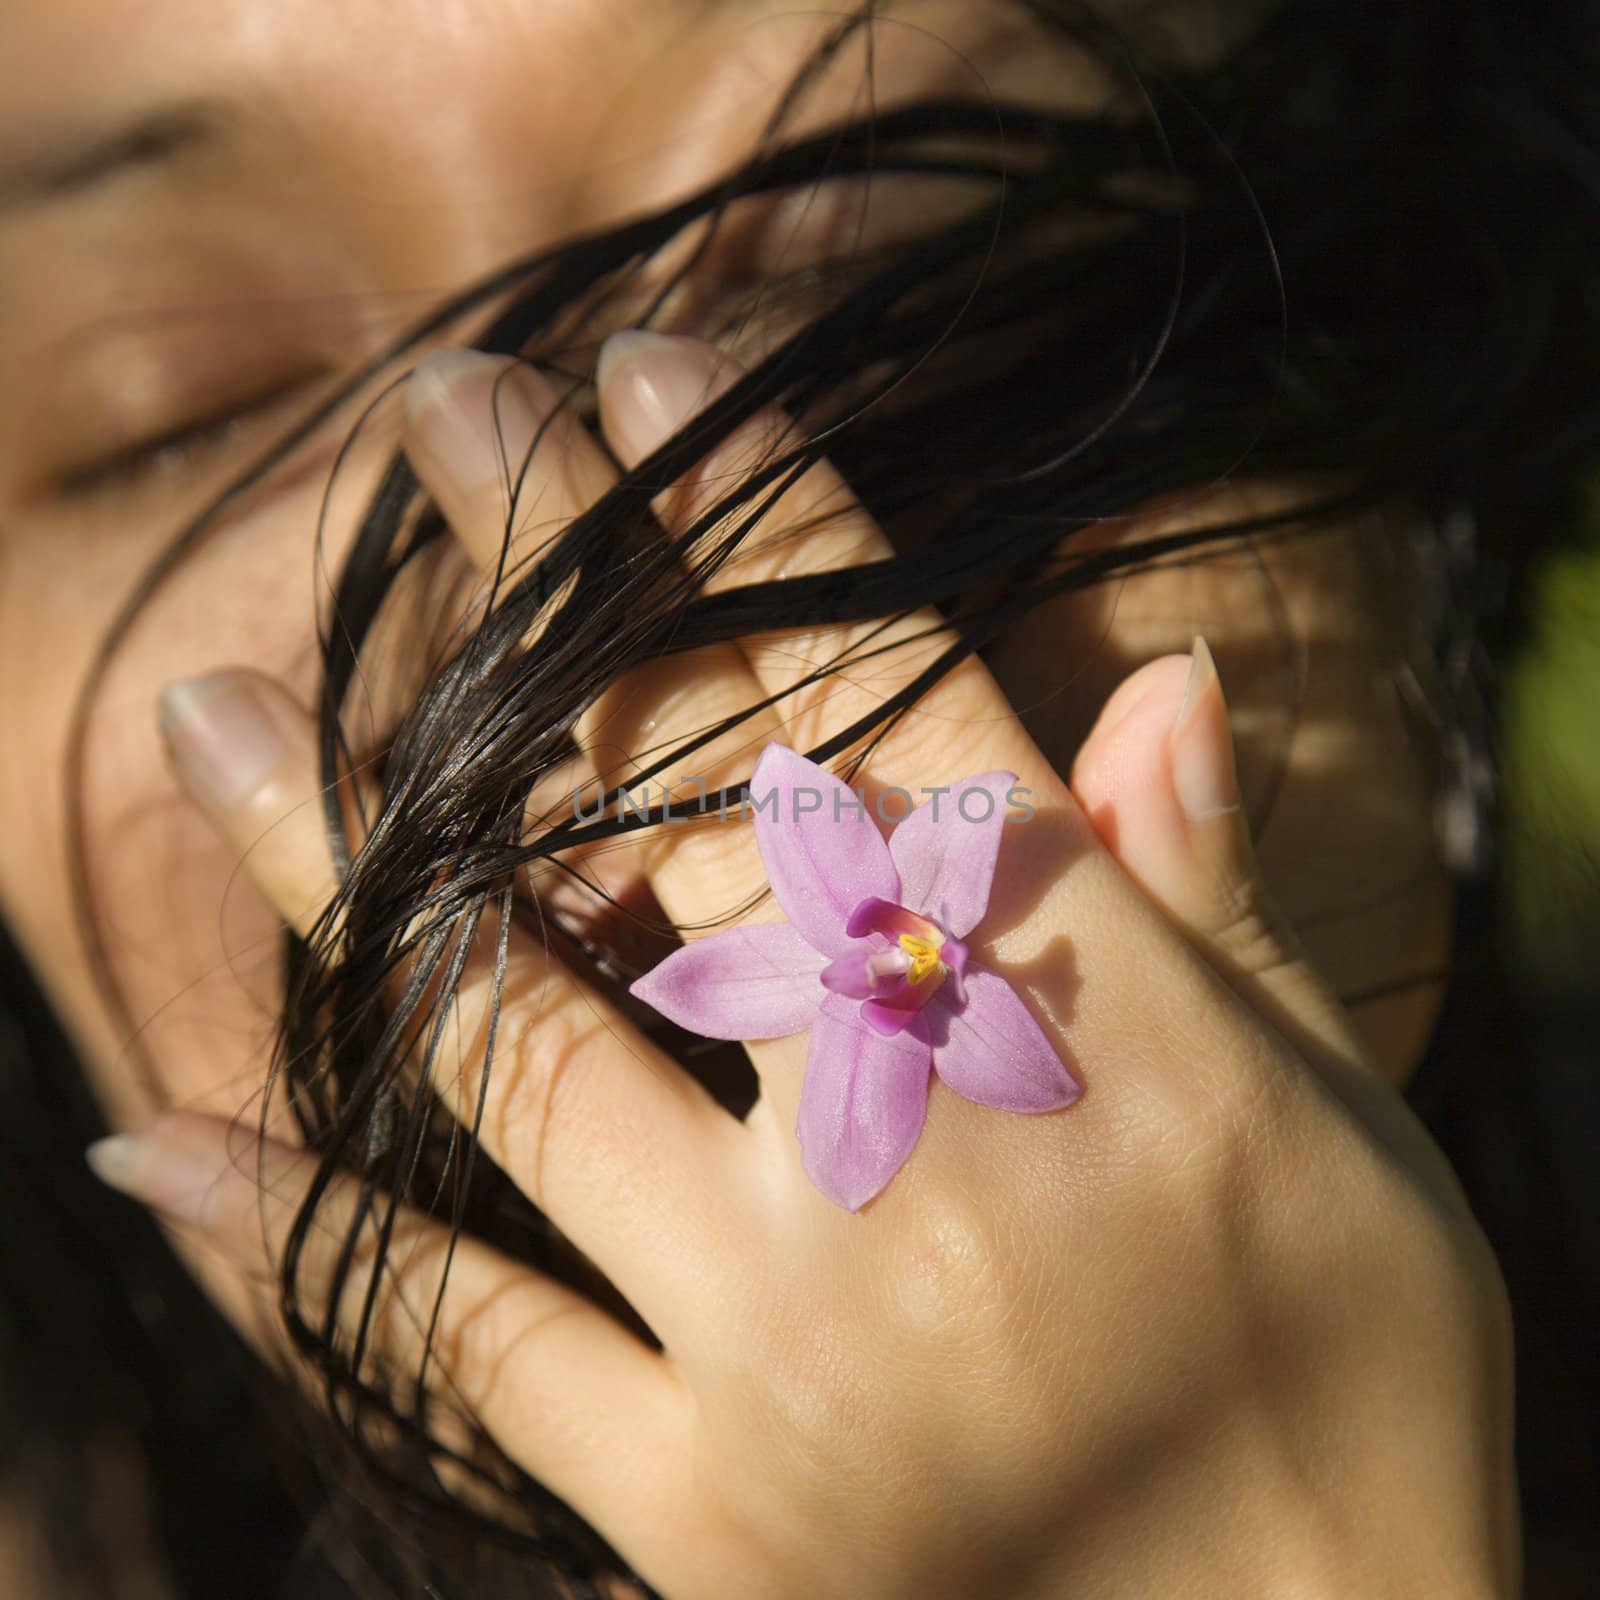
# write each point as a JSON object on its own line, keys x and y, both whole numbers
{"x": 1156, "y": 778}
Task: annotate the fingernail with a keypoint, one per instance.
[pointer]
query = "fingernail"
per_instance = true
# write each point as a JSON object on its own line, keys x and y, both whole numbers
{"x": 222, "y": 740}
{"x": 468, "y": 415}
{"x": 650, "y": 384}
{"x": 1203, "y": 769}
{"x": 159, "y": 1168}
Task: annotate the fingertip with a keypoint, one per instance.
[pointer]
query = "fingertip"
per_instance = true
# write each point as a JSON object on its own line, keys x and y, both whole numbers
{"x": 173, "y": 1165}
{"x": 437, "y": 383}
{"x": 1157, "y": 778}
{"x": 1159, "y": 763}
{"x": 471, "y": 423}
{"x": 650, "y": 384}
{"x": 226, "y": 733}
{"x": 1122, "y": 776}
{"x": 244, "y": 751}
{"x": 1204, "y": 772}
{"x": 621, "y": 350}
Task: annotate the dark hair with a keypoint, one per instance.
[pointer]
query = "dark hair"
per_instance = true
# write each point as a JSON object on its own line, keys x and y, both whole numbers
{"x": 1355, "y": 254}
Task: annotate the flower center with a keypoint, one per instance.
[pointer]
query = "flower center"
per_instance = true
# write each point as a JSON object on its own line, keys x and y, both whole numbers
{"x": 924, "y": 953}
{"x": 896, "y": 962}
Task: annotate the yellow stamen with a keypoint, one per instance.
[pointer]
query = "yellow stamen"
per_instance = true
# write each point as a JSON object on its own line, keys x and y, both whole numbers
{"x": 924, "y": 955}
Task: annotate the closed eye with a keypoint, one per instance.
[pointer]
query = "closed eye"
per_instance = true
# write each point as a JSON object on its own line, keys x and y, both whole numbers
{"x": 181, "y": 448}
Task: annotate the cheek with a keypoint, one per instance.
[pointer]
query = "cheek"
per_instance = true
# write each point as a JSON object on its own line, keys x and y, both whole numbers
{"x": 192, "y": 949}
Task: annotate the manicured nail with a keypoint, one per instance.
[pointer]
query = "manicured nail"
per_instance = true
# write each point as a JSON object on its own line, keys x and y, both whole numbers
{"x": 468, "y": 414}
{"x": 172, "y": 1166}
{"x": 650, "y": 384}
{"x": 222, "y": 739}
{"x": 1203, "y": 769}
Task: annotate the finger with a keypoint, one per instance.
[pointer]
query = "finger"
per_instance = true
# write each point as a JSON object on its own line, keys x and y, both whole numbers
{"x": 1156, "y": 778}
{"x": 1057, "y": 889}
{"x": 229, "y": 735}
{"x": 570, "y": 1394}
{"x": 510, "y": 466}
{"x": 225, "y": 735}
{"x": 651, "y": 385}
{"x": 474, "y": 423}
{"x": 508, "y": 463}
{"x": 624, "y": 1149}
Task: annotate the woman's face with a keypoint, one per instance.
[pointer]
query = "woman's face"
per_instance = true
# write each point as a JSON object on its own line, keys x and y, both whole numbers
{"x": 207, "y": 212}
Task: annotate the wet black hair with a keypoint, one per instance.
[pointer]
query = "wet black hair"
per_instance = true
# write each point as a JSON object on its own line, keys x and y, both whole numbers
{"x": 1354, "y": 254}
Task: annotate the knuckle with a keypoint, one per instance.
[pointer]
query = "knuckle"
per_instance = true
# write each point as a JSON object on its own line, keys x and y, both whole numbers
{"x": 721, "y": 859}
{"x": 486, "y": 1347}
{"x": 1250, "y": 931}
{"x": 827, "y": 1422}
{"x": 725, "y": 470}
{"x": 536, "y": 1094}
{"x": 970, "y": 1299}
{"x": 953, "y": 1276}
{"x": 1226, "y": 1157}
{"x": 1217, "y": 1082}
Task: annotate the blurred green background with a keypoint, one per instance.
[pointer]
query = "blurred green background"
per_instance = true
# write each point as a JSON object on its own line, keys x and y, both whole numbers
{"x": 1551, "y": 769}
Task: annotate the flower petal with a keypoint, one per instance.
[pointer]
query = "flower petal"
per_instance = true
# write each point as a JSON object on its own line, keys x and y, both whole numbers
{"x": 822, "y": 852}
{"x": 953, "y": 954}
{"x": 876, "y": 915}
{"x": 758, "y": 982}
{"x": 946, "y": 863}
{"x": 862, "y": 1104}
{"x": 886, "y": 1018}
{"x": 992, "y": 1051}
{"x": 867, "y": 968}
{"x": 850, "y": 974}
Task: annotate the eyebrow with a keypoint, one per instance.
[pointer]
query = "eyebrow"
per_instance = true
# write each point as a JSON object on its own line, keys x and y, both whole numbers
{"x": 80, "y": 163}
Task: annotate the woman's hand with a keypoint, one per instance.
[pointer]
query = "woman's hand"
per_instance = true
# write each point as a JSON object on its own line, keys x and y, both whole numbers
{"x": 1222, "y": 1327}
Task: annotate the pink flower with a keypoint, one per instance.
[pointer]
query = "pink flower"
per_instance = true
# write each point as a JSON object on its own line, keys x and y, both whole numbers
{"x": 872, "y": 961}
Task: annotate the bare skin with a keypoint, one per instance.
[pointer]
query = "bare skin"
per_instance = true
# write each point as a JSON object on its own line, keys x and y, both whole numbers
{"x": 1204, "y": 1332}
{"x": 203, "y": 281}
{"x": 263, "y": 261}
